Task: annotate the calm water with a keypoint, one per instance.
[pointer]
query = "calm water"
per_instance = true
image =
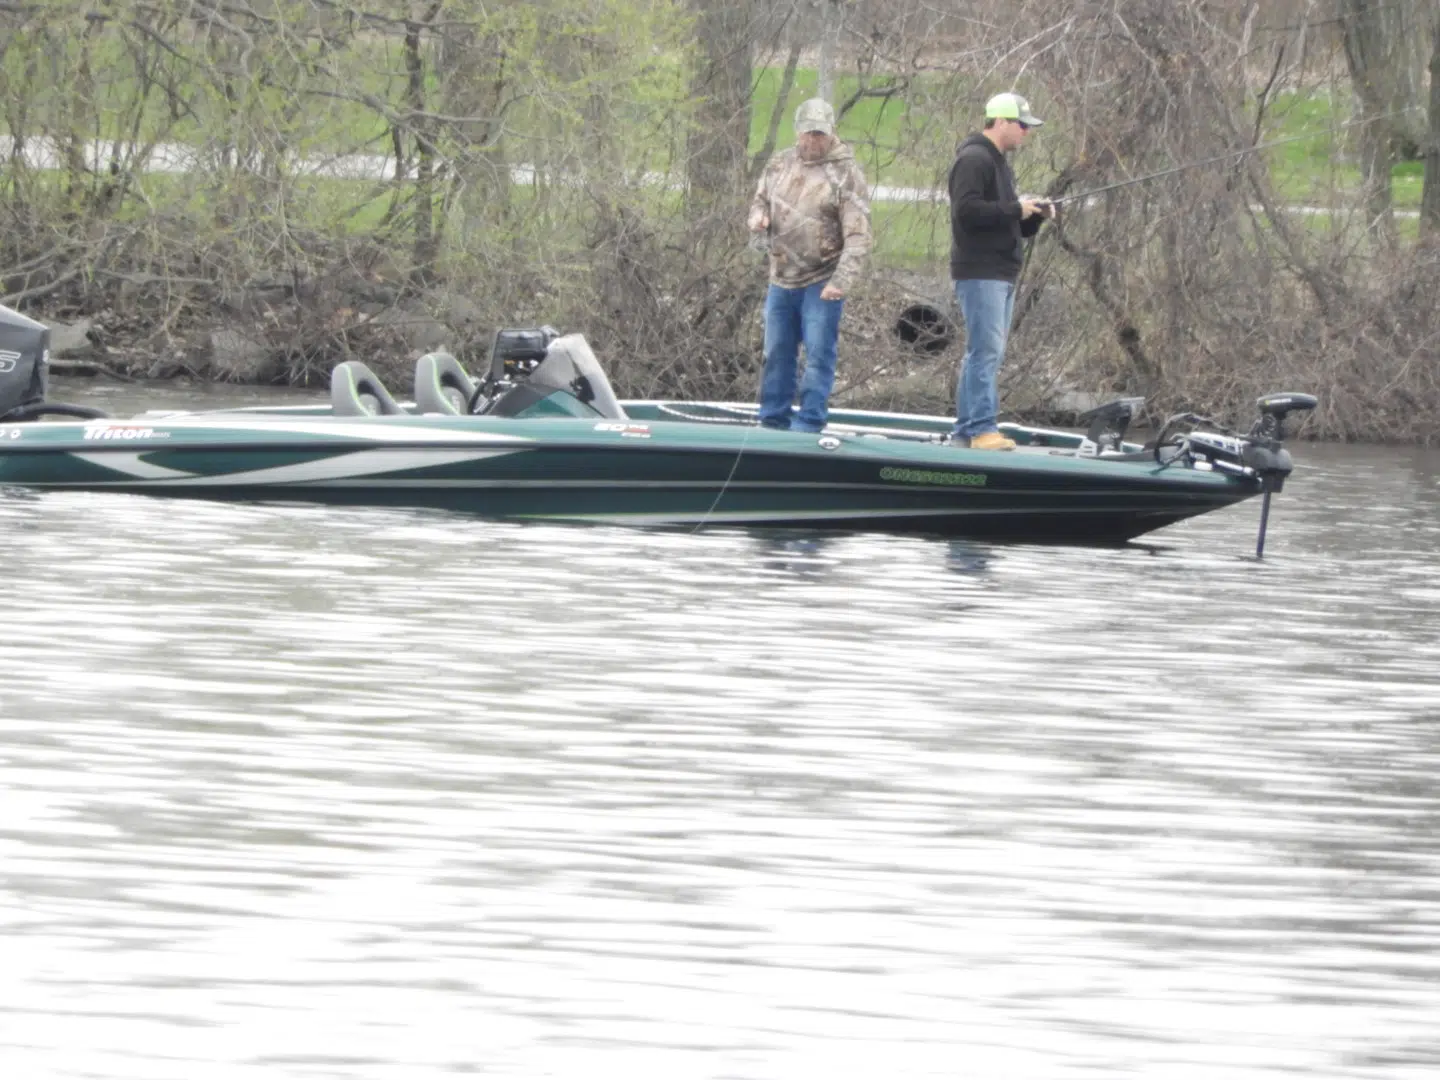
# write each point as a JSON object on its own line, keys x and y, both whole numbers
{"x": 300, "y": 792}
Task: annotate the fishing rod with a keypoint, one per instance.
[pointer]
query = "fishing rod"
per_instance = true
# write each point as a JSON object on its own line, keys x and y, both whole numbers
{"x": 1060, "y": 199}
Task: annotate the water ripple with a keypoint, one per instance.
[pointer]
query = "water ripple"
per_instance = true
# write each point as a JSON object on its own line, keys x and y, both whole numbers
{"x": 295, "y": 792}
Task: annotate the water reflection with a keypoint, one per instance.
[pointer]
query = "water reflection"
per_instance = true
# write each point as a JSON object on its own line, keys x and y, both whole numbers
{"x": 796, "y": 553}
{"x": 967, "y": 557}
{"x": 300, "y": 792}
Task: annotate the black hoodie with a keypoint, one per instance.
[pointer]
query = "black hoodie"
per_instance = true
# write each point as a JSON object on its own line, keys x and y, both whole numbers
{"x": 985, "y": 225}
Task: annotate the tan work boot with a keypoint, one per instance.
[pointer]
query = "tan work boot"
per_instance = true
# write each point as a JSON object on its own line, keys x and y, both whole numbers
{"x": 991, "y": 440}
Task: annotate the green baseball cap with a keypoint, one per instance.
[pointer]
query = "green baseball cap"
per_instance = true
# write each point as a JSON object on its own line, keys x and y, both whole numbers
{"x": 1011, "y": 107}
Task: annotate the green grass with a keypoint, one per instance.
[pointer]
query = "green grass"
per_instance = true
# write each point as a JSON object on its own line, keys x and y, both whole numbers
{"x": 894, "y": 142}
{"x": 1408, "y": 180}
{"x": 910, "y": 236}
{"x": 1313, "y": 163}
{"x": 1319, "y": 162}
{"x": 902, "y": 141}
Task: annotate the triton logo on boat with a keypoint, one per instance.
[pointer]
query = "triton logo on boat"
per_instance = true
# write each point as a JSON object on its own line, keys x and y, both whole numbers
{"x": 124, "y": 431}
{"x": 932, "y": 476}
{"x": 8, "y": 360}
{"x": 630, "y": 431}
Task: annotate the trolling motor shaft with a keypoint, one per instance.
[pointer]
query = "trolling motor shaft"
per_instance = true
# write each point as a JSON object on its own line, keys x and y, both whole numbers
{"x": 1265, "y": 453}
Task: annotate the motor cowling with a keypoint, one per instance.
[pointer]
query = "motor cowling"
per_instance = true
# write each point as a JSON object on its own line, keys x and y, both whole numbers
{"x": 24, "y": 361}
{"x": 514, "y": 356}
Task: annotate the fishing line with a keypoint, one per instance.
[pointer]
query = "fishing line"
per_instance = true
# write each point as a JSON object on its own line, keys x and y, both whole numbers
{"x": 1058, "y": 200}
{"x": 734, "y": 466}
{"x": 1061, "y": 199}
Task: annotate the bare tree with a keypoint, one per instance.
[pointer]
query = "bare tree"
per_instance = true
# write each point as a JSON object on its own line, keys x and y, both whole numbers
{"x": 1370, "y": 53}
{"x": 832, "y": 23}
{"x": 725, "y": 39}
{"x": 1430, "y": 195}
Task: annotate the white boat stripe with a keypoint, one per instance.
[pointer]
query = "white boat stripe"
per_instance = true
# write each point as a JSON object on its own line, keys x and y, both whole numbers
{"x": 129, "y": 463}
{"x": 378, "y": 430}
{"x": 359, "y": 467}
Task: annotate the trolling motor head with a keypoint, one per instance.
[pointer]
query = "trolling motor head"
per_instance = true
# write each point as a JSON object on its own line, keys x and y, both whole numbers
{"x": 1263, "y": 450}
{"x": 1274, "y": 408}
{"x": 1259, "y": 453}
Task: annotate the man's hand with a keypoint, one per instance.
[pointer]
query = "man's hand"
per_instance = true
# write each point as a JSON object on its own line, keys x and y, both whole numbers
{"x": 759, "y": 220}
{"x": 830, "y": 292}
{"x": 1044, "y": 207}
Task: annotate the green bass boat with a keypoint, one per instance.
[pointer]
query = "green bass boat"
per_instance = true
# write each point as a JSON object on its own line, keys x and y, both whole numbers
{"x": 541, "y": 435}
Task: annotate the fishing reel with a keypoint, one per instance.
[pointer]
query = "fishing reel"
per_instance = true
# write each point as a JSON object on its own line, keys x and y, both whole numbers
{"x": 1049, "y": 208}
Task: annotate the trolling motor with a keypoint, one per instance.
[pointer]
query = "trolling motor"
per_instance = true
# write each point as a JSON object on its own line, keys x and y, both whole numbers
{"x": 1260, "y": 453}
{"x": 1265, "y": 454}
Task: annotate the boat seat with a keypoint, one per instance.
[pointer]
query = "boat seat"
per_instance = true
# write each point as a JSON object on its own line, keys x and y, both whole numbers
{"x": 351, "y": 384}
{"x": 439, "y": 378}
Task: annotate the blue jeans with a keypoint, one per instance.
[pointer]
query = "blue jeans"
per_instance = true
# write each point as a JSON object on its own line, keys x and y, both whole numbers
{"x": 987, "y": 307}
{"x": 793, "y": 316}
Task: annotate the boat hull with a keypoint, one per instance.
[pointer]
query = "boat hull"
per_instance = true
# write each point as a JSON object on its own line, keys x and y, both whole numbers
{"x": 636, "y": 472}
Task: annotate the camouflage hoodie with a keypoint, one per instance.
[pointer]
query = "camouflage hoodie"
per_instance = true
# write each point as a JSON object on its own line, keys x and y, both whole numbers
{"x": 819, "y": 218}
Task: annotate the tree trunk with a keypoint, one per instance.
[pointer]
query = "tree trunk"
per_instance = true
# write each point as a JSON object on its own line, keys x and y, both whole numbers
{"x": 426, "y": 239}
{"x": 1368, "y": 51}
{"x": 1430, "y": 194}
{"x": 719, "y": 139}
{"x": 472, "y": 68}
{"x": 831, "y": 18}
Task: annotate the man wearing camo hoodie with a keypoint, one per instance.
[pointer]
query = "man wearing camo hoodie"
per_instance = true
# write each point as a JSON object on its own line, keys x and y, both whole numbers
{"x": 814, "y": 206}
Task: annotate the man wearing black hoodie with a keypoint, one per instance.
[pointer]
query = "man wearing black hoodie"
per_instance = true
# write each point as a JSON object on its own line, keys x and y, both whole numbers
{"x": 987, "y": 222}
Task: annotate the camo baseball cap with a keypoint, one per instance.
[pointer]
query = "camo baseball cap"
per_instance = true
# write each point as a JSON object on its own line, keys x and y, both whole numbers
{"x": 1011, "y": 107}
{"x": 815, "y": 115}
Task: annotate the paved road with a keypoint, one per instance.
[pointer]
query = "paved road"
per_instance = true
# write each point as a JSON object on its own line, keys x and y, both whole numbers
{"x": 180, "y": 158}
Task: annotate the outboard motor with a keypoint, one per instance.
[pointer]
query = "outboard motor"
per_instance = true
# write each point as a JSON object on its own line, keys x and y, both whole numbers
{"x": 24, "y": 371}
{"x": 24, "y": 357}
{"x": 514, "y": 354}
{"x": 569, "y": 381}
